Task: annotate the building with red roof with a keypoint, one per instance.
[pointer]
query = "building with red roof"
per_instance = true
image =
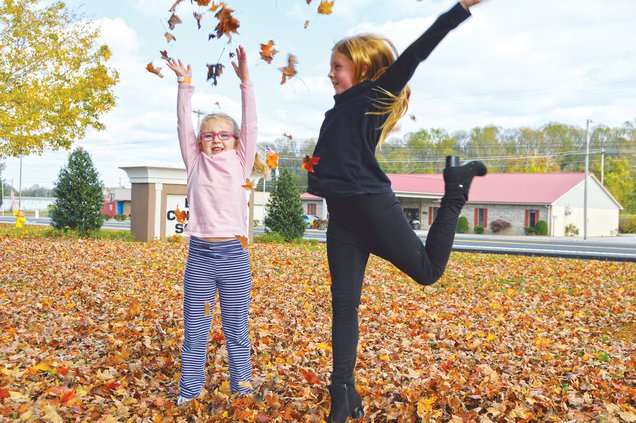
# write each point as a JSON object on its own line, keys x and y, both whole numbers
{"x": 521, "y": 199}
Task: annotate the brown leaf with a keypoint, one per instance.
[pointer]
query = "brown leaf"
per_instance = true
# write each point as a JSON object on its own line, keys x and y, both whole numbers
{"x": 173, "y": 21}
{"x": 289, "y": 71}
{"x": 152, "y": 69}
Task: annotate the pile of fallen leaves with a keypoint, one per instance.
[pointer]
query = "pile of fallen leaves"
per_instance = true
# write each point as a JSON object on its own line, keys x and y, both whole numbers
{"x": 92, "y": 330}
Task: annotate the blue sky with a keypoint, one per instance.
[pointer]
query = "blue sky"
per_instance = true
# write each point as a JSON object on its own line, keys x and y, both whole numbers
{"x": 514, "y": 63}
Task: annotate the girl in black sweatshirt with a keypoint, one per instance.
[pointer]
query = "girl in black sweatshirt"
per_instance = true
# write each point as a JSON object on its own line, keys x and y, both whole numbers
{"x": 364, "y": 214}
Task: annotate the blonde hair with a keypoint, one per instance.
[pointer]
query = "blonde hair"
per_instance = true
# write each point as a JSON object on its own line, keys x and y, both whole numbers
{"x": 260, "y": 166}
{"x": 371, "y": 54}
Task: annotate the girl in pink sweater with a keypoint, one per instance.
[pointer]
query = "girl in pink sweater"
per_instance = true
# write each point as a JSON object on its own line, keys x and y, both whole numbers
{"x": 218, "y": 161}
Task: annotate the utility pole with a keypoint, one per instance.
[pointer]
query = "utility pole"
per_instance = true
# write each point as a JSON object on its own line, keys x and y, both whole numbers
{"x": 602, "y": 165}
{"x": 199, "y": 113}
{"x": 587, "y": 169}
{"x": 20, "y": 186}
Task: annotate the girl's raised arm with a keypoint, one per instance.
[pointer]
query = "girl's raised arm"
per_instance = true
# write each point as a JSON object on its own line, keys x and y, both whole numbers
{"x": 185, "y": 128}
{"x": 247, "y": 144}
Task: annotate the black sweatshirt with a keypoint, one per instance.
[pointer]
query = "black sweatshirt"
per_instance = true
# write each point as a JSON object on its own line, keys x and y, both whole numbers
{"x": 348, "y": 135}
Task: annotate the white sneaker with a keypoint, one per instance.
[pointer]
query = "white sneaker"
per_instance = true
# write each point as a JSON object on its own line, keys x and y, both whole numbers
{"x": 181, "y": 400}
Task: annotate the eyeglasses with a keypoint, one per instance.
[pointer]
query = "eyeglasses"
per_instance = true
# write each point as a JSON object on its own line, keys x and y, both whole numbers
{"x": 222, "y": 136}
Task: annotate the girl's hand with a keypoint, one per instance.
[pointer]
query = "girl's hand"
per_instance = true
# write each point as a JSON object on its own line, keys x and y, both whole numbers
{"x": 241, "y": 68}
{"x": 179, "y": 69}
{"x": 468, "y": 3}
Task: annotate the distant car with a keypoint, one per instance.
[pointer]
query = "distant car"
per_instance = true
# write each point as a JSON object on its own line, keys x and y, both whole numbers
{"x": 310, "y": 220}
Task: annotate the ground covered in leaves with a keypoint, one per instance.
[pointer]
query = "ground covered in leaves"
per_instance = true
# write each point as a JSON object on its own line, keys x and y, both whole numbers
{"x": 91, "y": 331}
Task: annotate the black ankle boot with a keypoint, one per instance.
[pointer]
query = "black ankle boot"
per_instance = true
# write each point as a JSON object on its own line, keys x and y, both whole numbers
{"x": 457, "y": 178}
{"x": 345, "y": 402}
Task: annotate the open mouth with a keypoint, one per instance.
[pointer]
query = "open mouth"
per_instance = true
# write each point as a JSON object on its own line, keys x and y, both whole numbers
{"x": 217, "y": 149}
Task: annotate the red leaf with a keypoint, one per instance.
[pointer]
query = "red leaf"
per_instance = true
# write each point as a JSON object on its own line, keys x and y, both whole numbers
{"x": 310, "y": 377}
{"x": 309, "y": 162}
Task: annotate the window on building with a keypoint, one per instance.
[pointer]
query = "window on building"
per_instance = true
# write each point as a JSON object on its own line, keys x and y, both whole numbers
{"x": 432, "y": 214}
{"x": 311, "y": 209}
{"x": 532, "y": 217}
{"x": 481, "y": 217}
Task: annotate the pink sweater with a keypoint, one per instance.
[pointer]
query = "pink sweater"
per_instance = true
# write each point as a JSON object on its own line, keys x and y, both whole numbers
{"x": 215, "y": 194}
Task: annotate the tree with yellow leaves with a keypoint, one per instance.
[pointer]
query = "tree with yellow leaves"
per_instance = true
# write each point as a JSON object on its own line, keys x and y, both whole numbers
{"x": 54, "y": 82}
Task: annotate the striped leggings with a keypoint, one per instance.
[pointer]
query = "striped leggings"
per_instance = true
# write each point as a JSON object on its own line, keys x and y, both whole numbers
{"x": 211, "y": 266}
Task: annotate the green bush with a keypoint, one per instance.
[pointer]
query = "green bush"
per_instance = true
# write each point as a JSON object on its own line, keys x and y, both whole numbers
{"x": 499, "y": 225}
{"x": 120, "y": 217}
{"x": 571, "y": 230}
{"x": 270, "y": 237}
{"x": 285, "y": 208}
{"x": 541, "y": 228}
{"x": 79, "y": 195}
{"x": 627, "y": 224}
{"x": 478, "y": 229}
{"x": 529, "y": 230}
{"x": 462, "y": 225}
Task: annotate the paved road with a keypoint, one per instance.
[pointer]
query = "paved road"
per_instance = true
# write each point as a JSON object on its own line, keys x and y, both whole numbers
{"x": 619, "y": 248}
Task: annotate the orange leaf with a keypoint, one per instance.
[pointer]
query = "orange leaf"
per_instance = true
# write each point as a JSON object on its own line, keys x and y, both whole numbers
{"x": 272, "y": 159}
{"x": 203, "y": 2}
{"x": 227, "y": 23}
{"x": 174, "y": 20}
{"x": 324, "y": 8}
{"x": 218, "y": 337}
{"x": 249, "y": 185}
{"x": 169, "y": 37}
{"x": 290, "y": 70}
{"x": 66, "y": 396}
{"x": 156, "y": 70}
{"x": 4, "y": 393}
{"x": 310, "y": 377}
{"x": 268, "y": 51}
{"x": 309, "y": 162}
{"x": 206, "y": 308}
{"x": 133, "y": 310}
{"x": 181, "y": 216}
{"x": 244, "y": 241}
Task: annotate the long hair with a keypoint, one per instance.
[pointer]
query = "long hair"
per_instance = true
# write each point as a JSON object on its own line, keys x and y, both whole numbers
{"x": 371, "y": 54}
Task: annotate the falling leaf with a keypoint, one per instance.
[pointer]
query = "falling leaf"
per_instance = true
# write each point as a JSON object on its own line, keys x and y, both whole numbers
{"x": 214, "y": 71}
{"x": 206, "y": 308}
{"x": 290, "y": 70}
{"x": 288, "y": 136}
{"x": 268, "y": 51}
{"x": 217, "y": 104}
{"x": 203, "y": 2}
{"x": 169, "y": 37}
{"x": 227, "y": 23}
{"x": 174, "y": 6}
{"x": 306, "y": 24}
{"x": 309, "y": 162}
{"x": 181, "y": 215}
{"x": 413, "y": 118}
{"x": 164, "y": 55}
{"x": 324, "y": 8}
{"x": 198, "y": 17}
{"x": 156, "y": 70}
{"x": 249, "y": 185}
{"x": 173, "y": 21}
{"x": 272, "y": 159}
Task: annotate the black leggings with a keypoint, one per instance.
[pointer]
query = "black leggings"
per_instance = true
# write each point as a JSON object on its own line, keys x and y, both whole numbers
{"x": 376, "y": 224}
